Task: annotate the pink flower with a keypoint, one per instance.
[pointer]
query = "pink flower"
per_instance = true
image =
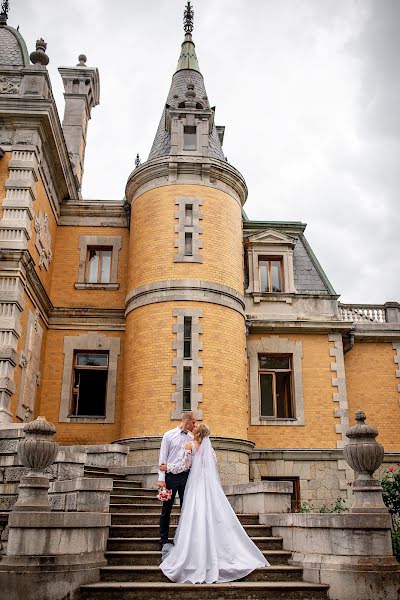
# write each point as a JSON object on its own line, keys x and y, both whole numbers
{"x": 391, "y": 469}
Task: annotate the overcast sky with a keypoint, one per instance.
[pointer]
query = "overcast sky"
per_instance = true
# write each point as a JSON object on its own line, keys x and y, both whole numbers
{"x": 309, "y": 93}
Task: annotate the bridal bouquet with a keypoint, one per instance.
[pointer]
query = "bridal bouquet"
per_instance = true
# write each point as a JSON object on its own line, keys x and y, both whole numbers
{"x": 164, "y": 494}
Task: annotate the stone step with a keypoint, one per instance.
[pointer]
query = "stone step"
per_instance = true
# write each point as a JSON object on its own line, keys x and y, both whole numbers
{"x": 131, "y": 497}
{"x": 148, "y": 573}
{"x": 141, "y": 507}
{"x": 139, "y": 544}
{"x": 133, "y": 489}
{"x": 153, "y": 518}
{"x": 153, "y": 530}
{"x": 237, "y": 590}
{"x": 153, "y": 557}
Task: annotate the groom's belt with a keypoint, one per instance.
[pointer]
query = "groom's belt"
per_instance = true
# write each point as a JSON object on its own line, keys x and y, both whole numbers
{"x": 180, "y": 473}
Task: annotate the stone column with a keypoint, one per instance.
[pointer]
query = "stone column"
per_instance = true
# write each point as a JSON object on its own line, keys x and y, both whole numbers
{"x": 365, "y": 455}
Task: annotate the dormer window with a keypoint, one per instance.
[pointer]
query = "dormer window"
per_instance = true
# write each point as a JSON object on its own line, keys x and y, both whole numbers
{"x": 189, "y": 137}
{"x": 270, "y": 270}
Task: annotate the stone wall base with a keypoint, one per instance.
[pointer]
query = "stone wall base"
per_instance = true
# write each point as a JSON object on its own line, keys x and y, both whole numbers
{"x": 48, "y": 578}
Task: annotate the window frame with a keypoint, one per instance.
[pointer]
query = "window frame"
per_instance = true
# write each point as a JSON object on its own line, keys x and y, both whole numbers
{"x": 262, "y": 371}
{"x": 98, "y": 241}
{"x": 88, "y": 368}
{"x": 89, "y": 342}
{"x": 270, "y": 259}
{"x": 100, "y": 249}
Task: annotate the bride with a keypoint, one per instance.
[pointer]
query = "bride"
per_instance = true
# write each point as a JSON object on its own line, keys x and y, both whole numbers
{"x": 210, "y": 544}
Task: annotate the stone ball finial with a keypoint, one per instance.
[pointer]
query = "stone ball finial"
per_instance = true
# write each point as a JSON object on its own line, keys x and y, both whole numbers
{"x": 39, "y": 56}
{"x": 363, "y": 453}
{"x": 82, "y": 60}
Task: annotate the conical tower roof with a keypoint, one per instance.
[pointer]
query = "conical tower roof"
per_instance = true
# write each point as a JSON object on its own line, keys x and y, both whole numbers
{"x": 187, "y": 72}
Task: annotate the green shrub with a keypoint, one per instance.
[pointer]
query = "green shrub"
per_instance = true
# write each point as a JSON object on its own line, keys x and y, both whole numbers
{"x": 391, "y": 497}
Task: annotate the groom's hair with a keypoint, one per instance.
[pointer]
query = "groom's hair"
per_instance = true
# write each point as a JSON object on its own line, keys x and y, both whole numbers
{"x": 188, "y": 414}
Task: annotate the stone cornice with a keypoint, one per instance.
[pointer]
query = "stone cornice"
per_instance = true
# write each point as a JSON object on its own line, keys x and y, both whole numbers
{"x": 298, "y": 326}
{"x": 198, "y": 171}
{"x": 153, "y": 442}
{"x": 375, "y": 332}
{"x": 189, "y": 290}
{"x": 310, "y": 454}
{"x": 40, "y": 113}
{"x": 94, "y": 213}
{"x": 87, "y": 318}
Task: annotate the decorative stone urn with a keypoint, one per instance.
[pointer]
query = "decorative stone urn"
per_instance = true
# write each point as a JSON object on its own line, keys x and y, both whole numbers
{"x": 37, "y": 451}
{"x": 365, "y": 456}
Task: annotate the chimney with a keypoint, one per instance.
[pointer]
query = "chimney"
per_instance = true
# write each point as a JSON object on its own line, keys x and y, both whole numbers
{"x": 81, "y": 93}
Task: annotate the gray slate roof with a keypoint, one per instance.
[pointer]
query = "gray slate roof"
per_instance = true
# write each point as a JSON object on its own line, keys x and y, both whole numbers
{"x": 162, "y": 142}
{"x": 306, "y": 276}
{"x": 13, "y": 50}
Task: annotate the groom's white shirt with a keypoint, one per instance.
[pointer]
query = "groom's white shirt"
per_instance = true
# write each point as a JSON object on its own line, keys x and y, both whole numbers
{"x": 172, "y": 449}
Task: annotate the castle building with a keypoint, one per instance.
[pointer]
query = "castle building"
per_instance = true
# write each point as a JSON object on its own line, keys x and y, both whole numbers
{"x": 116, "y": 316}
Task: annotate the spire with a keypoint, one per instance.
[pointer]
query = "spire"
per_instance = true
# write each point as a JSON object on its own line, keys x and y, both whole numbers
{"x": 188, "y": 58}
{"x": 4, "y": 12}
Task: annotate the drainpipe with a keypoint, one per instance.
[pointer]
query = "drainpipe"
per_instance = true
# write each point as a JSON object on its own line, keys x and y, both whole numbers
{"x": 350, "y": 335}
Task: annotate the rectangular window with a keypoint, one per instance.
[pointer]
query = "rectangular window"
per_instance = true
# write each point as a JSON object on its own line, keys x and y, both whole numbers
{"x": 275, "y": 381}
{"x": 187, "y": 388}
{"x": 98, "y": 267}
{"x": 189, "y": 137}
{"x": 188, "y": 215}
{"x": 187, "y": 337}
{"x": 188, "y": 244}
{"x": 89, "y": 388}
{"x": 270, "y": 270}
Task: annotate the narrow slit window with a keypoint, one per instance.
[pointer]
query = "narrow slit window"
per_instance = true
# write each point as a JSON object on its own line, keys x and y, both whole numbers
{"x": 89, "y": 387}
{"x": 187, "y": 388}
{"x": 188, "y": 244}
{"x": 187, "y": 337}
{"x": 189, "y": 215}
{"x": 189, "y": 137}
{"x": 275, "y": 382}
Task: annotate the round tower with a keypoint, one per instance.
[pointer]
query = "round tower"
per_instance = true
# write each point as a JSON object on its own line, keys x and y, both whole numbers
{"x": 185, "y": 323}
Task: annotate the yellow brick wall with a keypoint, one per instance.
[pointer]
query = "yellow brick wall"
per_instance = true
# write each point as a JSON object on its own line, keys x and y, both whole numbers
{"x": 49, "y": 404}
{"x": 66, "y": 266}
{"x": 153, "y": 235}
{"x": 372, "y": 387}
{"x": 319, "y": 428}
{"x": 148, "y": 374}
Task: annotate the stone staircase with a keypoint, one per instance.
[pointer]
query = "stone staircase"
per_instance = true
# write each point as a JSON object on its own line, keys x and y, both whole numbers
{"x": 133, "y": 557}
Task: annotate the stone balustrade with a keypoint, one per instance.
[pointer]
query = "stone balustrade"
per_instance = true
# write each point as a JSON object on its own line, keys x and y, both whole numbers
{"x": 370, "y": 313}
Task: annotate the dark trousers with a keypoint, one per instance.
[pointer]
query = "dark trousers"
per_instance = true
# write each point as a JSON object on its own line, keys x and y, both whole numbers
{"x": 177, "y": 484}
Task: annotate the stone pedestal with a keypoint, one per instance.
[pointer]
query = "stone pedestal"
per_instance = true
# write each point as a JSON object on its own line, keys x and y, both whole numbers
{"x": 260, "y": 497}
{"x": 50, "y": 555}
{"x": 352, "y": 553}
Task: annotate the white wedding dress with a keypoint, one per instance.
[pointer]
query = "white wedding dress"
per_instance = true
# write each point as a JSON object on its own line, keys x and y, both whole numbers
{"x": 210, "y": 544}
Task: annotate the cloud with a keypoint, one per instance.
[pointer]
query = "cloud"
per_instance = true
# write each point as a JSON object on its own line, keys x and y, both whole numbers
{"x": 308, "y": 90}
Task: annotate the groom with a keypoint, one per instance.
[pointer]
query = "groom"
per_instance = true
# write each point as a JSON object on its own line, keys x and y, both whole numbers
{"x": 172, "y": 451}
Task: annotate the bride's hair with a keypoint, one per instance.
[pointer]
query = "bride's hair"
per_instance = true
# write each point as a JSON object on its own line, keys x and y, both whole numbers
{"x": 202, "y": 432}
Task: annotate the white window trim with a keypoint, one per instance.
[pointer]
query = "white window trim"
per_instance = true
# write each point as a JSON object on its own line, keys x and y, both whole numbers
{"x": 111, "y": 241}
{"x": 89, "y": 342}
{"x": 276, "y": 345}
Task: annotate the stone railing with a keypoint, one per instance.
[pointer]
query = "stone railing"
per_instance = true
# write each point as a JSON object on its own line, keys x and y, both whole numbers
{"x": 370, "y": 313}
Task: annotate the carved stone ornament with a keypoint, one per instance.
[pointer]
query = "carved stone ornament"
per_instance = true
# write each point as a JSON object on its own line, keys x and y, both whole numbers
{"x": 37, "y": 450}
{"x": 43, "y": 240}
{"x": 10, "y": 85}
{"x": 23, "y": 361}
{"x": 363, "y": 453}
